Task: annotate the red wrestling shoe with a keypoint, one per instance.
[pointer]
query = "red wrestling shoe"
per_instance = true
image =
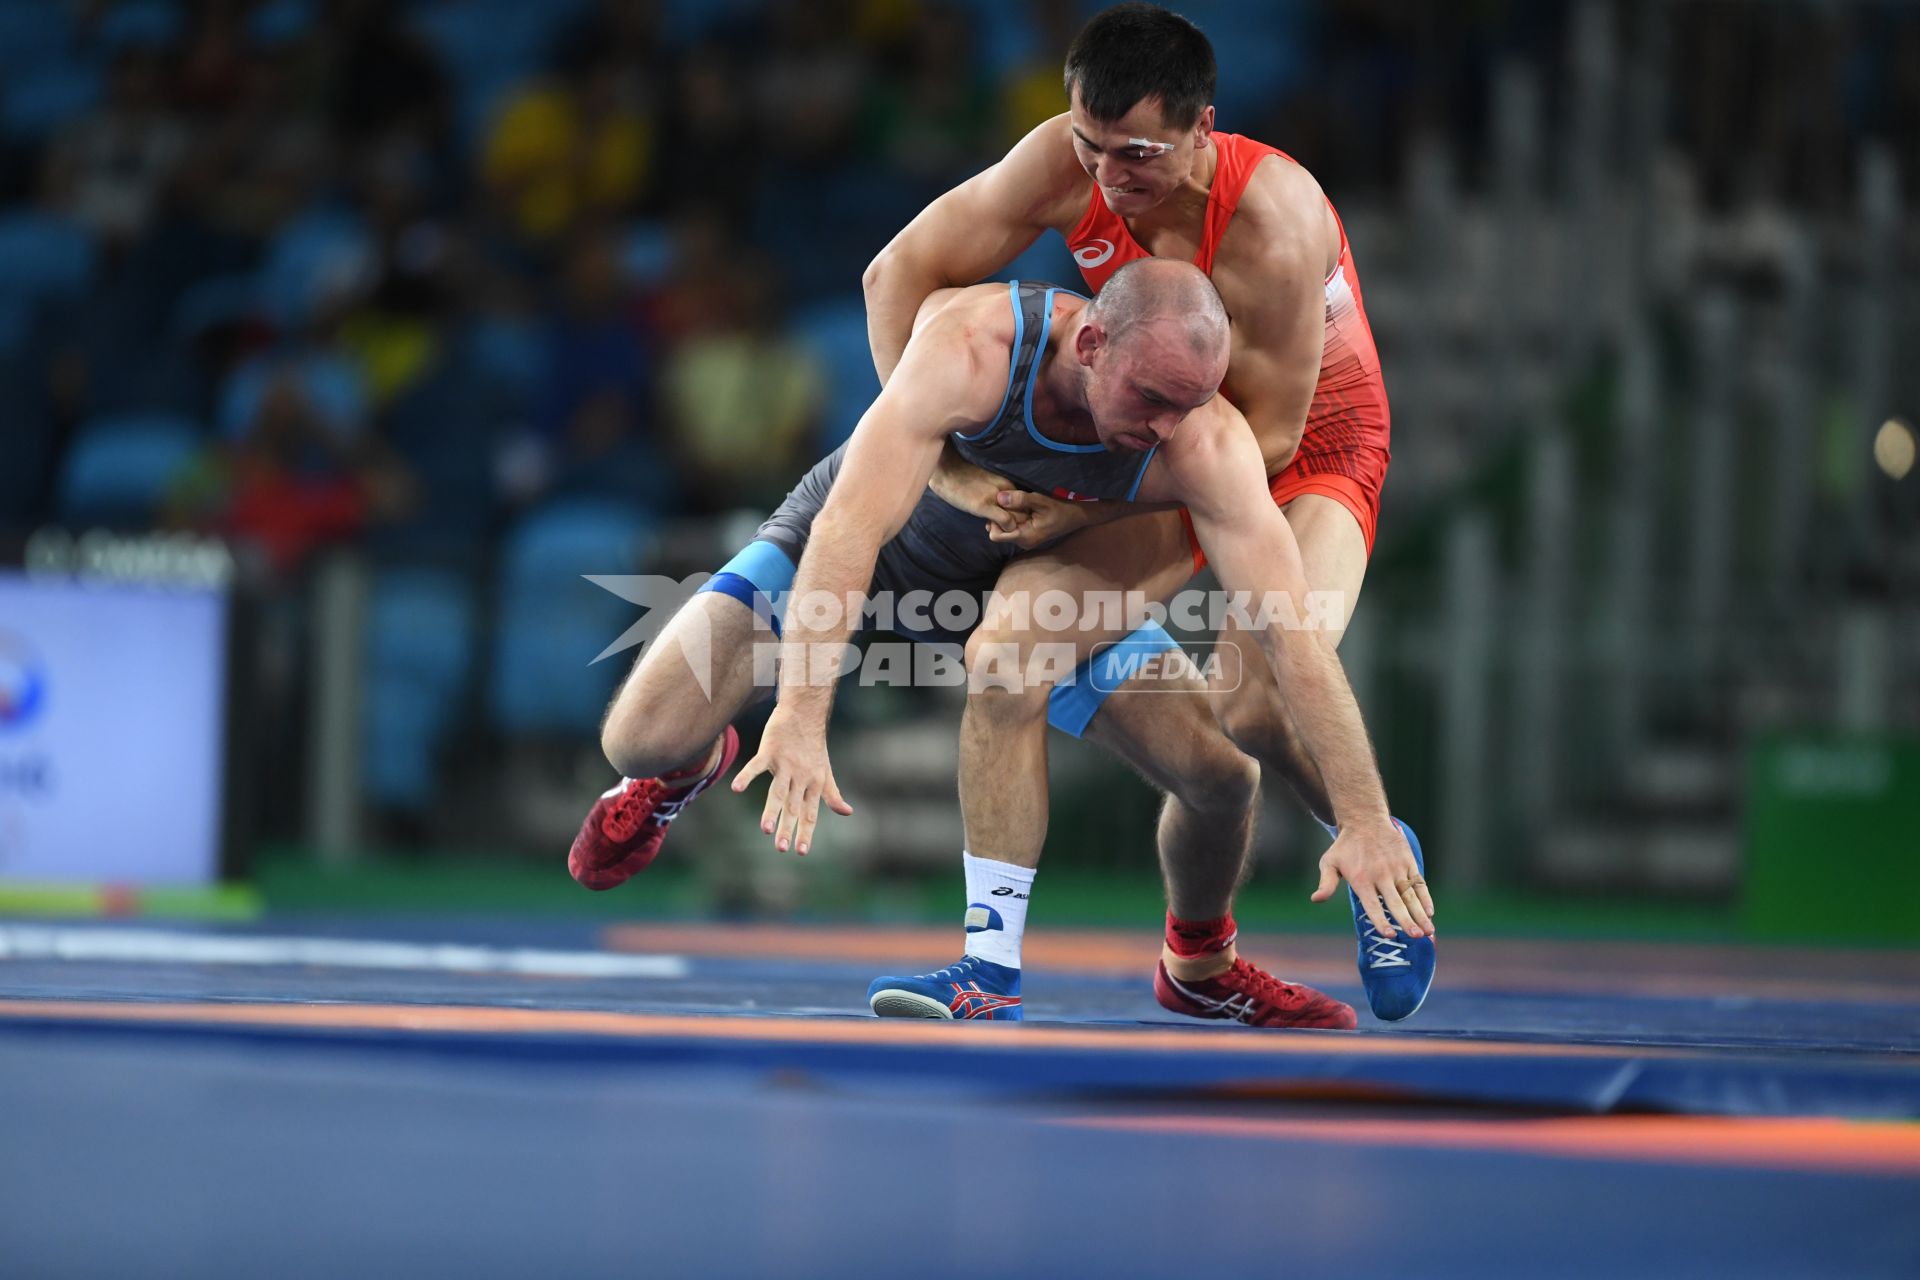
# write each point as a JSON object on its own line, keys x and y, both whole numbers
{"x": 1252, "y": 996}
{"x": 625, "y": 827}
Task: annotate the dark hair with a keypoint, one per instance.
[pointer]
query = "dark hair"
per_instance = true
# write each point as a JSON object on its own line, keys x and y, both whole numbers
{"x": 1132, "y": 52}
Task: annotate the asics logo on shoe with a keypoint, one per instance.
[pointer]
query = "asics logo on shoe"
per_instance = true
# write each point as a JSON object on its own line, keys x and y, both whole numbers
{"x": 1093, "y": 253}
{"x": 970, "y": 1001}
{"x": 1237, "y": 1007}
{"x": 1005, "y": 891}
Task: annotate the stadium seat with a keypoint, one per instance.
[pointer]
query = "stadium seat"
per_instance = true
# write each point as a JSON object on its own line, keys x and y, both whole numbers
{"x": 43, "y": 255}
{"x": 34, "y": 34}
{"x": 140, "y": 24}
{"x": 1046, "y": 259}
{"x": 1005, "y": 35}
{"x": 331, "y": 382}
{"x": 280, "y": 22}
{"x": 313, "y": 259}
{"x": 836, "y": 332}
{"x": 447, "y": 428}
{"x": 1260, "y": 52}
{"x": 419, "y": 642}
{"x": 214, "y": 303}
{"x": 118, "y": 469}
{"x": 647, "y": 254}
{"x": 508, "y": 353}
{"x": 552, "y": 623}
{"x": 42, "y": 96}
{"x": 488, "y": 48}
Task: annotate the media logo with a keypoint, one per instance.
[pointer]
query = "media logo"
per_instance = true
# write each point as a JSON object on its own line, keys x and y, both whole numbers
{"x": 23, "y": 683}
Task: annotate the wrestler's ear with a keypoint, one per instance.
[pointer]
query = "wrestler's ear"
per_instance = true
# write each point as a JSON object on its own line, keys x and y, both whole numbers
{"x": 1203, "y": 129}
{"x": 1088, "y": 341}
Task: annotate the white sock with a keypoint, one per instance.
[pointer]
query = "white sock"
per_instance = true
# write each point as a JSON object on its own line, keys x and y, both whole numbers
{"x": 996, "y": 908}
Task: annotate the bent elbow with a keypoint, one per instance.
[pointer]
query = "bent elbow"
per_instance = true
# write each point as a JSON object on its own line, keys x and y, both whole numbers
{"x": 877, "y": 272}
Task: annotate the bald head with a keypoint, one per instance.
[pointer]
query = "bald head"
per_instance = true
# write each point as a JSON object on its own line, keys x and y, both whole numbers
{"x": 1165, "y": 297}
{"x": 1154, "y": 346}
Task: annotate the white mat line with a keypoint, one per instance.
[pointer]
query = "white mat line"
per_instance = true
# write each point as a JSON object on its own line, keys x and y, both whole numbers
{"x": 155, "y": 946}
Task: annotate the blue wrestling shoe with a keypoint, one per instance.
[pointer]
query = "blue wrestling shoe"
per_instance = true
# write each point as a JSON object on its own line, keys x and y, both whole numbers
{"x": 1397, "y": 972}
{"x": 973, "y": 988}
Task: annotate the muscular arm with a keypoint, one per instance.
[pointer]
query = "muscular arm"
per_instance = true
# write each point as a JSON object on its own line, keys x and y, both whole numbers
{"x": 1271, "y": 271}
{"x": 946, "y": 383}
{"x": 1252, "y": 548}
{"x": 968, "y": 234}
{"x": 1216, "y": 471}
{"x": 892, "y": 452}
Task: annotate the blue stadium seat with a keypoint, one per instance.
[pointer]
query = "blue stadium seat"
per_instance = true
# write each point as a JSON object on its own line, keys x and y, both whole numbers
{"x": 1260, "y": 49}
{"x": 419, "y": 647}
{"x": 118, "y": 469}
{"x": 43, "y": 255}
{"x": 488, "y": 48}
{"x": 312, "y": 258}
{"x": 1005, "y": 34}
{"x": 552, "y": 623}
{"x": 1046, "y": 260}
{"x": 508, "y": 353}
{"x": 836, "y": 332}
{"x": 34, "y": 34}
{"x": 447, "y": 428}
{"x": 280, "y": 22}
{"x": 140, "y": 24}
{"x": 332, "y": 384}
{"x": 690, "y": 21}
{"x": 42, "y": 96}
{"x": 647, "y": 255}
{"x": 213, "y": 303}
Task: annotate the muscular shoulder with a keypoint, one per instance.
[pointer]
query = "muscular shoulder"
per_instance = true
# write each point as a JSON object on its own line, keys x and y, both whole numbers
{"x": 961, "y": 351}
{"x": 1211, "y": 444}
{"x": 1281, "y": 226}
{"x": 979, "y": 312}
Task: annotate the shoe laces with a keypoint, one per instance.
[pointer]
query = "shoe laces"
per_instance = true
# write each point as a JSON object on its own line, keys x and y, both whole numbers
{"x": 1382, "y": 952}
{"x": 1264, "y": 987}
{"x": 633, "y": 806}
{"x": 964, "y": 967}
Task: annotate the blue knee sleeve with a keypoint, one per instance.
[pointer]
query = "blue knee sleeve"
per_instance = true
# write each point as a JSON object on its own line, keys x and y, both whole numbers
{"x": 1071, "y": 707}
{"x": 758, "y": 577}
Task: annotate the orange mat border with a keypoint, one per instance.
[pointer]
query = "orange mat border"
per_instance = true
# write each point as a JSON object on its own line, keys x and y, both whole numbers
{"x": 797, "y": 1029}
{"x": 1797, "y": 1144}
{"x": 1321, "y": 959}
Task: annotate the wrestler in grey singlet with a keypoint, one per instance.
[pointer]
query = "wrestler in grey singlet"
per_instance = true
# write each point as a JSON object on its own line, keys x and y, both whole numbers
{"x": 941, "y": 548}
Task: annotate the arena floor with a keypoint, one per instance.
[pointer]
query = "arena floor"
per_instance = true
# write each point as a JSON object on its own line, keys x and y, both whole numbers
{"x": 379, "y": 1097}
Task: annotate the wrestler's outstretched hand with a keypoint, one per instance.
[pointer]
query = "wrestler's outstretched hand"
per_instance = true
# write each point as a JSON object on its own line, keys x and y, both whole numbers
{"x": 793, "y": 755}
{"x": 1377, "y": 862}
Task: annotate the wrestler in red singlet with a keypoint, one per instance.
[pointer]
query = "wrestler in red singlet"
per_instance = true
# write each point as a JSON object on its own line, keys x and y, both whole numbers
{"x": 1343, "y": 451}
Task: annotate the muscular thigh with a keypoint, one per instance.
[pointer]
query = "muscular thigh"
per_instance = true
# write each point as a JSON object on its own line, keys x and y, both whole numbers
{"x": 1147, "y": 555}
{"x": 699, "y": 672}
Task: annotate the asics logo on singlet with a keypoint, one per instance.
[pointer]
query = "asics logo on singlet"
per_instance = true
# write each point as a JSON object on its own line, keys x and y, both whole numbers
{"x": 1094, "y": 253}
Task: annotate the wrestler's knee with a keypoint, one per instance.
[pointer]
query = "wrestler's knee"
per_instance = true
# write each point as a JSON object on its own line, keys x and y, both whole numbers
{"x": 1214, "y": 776}
{"x": 1000, "y": 681}
{"x": 1253, "y": 716}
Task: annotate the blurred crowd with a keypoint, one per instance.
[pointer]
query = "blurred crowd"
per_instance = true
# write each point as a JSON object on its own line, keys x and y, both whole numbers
{"x": 305, "y": 270}
{"x": 496, "y": 292}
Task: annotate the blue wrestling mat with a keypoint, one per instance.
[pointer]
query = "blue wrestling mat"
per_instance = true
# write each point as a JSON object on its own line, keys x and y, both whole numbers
{"x": 314, "y": 1098}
